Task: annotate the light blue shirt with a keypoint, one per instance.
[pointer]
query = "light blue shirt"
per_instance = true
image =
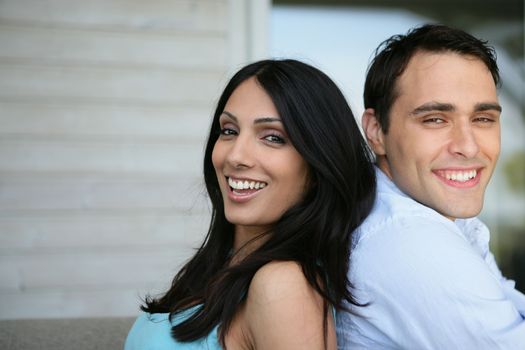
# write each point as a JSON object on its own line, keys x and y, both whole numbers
{"x": 432, "y": 283}
{"x": 153, "y": 332}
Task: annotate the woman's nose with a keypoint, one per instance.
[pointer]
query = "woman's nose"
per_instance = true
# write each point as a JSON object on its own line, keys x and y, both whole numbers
{"x": 241, "y": 153}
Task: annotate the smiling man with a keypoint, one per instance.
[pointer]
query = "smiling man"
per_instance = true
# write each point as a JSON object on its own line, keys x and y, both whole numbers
{"x": 421, "y": 260}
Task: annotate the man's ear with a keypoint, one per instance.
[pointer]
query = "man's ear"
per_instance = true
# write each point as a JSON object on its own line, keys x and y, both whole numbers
{"x": 373, "y": 132}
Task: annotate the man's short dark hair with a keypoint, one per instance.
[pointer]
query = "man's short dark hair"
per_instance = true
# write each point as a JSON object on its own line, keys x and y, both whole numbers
{"x": 392, "y": 57}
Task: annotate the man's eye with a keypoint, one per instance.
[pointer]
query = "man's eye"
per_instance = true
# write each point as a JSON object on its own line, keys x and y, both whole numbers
{"x": 484, "y": 120}
{"x": 434, "y": 120}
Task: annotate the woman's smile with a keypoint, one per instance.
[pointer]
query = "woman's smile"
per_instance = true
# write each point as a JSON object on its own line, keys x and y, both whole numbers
{"x": 242, "y": 190}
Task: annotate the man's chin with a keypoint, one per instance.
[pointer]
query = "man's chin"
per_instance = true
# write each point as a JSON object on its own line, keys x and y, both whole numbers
{"x": 463, "y": 213}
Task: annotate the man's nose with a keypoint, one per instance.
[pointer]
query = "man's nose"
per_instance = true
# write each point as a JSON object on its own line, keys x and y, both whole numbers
{"x": 464, "y": 142}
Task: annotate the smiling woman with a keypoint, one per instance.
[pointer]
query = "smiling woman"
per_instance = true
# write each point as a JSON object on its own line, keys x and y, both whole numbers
{"x": 253, "y": 148}
{"x": 289, "y": 177}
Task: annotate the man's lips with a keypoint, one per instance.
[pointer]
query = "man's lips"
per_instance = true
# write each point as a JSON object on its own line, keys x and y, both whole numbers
{"x": 462, "y": 178}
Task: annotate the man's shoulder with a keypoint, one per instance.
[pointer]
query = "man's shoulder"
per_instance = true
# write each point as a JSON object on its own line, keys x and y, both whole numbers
{"x": 402, "y": 233}
{"x": 394, "y": 215}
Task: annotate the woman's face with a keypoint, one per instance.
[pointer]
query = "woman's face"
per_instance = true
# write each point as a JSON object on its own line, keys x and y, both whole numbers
{"x": 260, "y": 172}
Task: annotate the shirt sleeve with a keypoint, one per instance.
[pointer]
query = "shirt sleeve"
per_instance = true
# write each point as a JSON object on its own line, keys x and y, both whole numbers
{"x": 508, "y": 286}
{"x": 428, "y": 289}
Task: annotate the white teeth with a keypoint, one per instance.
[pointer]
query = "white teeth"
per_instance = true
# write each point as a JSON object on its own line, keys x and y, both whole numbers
{"x": 461, "y": 176}
{"x": 245, "y": 185}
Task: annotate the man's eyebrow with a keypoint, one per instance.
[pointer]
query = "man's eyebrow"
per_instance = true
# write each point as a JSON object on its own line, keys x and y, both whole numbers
{"x": 433, "y": 106}
{"x": 481, "y": 107}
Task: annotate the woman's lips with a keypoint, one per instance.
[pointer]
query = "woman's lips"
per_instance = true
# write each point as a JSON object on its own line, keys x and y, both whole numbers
{"x": 242, "y": 190}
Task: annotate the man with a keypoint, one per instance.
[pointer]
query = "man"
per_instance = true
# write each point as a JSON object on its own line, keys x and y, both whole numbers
{"x": 421, "y": 260}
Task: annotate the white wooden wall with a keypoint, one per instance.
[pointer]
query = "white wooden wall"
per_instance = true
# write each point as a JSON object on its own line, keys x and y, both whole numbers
{"x": 104, "y": 110}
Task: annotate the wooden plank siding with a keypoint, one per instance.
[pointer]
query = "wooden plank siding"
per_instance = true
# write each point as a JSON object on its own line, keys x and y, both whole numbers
{"x": 133, "y": 15}
{"x": 104, "y": 110}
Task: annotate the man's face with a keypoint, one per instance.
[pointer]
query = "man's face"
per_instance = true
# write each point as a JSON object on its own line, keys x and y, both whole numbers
{"x": 444, "y": 136}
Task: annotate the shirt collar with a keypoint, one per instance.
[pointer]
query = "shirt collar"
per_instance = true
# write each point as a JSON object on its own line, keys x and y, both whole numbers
{"x": 474, "y": 231}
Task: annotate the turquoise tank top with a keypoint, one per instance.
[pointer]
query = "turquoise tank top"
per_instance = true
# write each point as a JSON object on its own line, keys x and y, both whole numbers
{"x": 153, "y": 332}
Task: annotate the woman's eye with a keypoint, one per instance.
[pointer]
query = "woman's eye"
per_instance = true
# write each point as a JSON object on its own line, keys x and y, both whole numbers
{"x": 274, "y": 138}
{"x": 228, "y": 131}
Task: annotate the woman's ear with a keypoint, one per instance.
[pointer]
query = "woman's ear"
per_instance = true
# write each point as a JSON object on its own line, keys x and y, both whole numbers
{"x": 373, "y": 131}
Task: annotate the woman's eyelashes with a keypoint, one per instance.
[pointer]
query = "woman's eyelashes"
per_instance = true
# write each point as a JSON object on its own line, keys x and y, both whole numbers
{"x": 268, "y": 135}
{"x": 275, "y": 137}
{"x": 228, "y": 129}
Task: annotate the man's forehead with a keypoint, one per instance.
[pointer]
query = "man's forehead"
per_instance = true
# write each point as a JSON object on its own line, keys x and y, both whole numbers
{"x": 431, "y": 76}
{"x": 424, "y": 61}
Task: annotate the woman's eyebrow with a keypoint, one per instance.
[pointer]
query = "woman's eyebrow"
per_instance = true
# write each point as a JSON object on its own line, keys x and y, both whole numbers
{"x": 267, "y": 120}
{"x": 256, "y": 121}
{"x": 228, "y": 114}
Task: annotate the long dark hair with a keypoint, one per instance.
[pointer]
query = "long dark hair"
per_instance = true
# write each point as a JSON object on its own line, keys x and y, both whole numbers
{"x": 315, "y": 233}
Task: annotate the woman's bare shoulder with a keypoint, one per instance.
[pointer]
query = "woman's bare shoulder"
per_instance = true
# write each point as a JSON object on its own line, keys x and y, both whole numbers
{"x": 283, "y": 311}
{"x": 277, "y": 280}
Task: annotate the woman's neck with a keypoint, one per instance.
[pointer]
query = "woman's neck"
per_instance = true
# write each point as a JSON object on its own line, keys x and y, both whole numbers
{"x": 246, "y": 240}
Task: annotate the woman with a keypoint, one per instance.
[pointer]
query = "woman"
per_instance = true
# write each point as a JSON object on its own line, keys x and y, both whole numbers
{"x": 289, "y": 177}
